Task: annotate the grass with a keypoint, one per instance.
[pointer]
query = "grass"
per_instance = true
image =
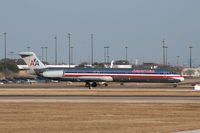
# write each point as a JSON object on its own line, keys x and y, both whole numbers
{"x": 60, "y": 117}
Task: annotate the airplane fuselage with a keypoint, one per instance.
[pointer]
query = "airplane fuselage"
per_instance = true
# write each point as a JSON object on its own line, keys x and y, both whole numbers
{"x": 111, "y": 75}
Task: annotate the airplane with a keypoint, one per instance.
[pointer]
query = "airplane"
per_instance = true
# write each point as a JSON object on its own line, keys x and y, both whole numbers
{"x": 91, "y": 76}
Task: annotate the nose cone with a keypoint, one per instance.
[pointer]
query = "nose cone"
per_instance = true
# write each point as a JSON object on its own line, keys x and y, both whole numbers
{"x": 181, "y": 79}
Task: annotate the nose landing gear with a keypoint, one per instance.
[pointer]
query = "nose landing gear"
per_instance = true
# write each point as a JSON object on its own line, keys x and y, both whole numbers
{"x": 175, "y": 85}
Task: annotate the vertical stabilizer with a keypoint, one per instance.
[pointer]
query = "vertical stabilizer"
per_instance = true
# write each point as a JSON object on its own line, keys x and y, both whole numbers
{"x": 31, "y": 60}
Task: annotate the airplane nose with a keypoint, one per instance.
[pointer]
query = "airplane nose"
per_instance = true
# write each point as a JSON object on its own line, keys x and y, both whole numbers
{"x": 181, "y": 79}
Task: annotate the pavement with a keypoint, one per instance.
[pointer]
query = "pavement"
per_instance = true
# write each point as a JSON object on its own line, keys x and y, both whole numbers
{"x": 102, "y": 98}
{"x": 192, "y": 131}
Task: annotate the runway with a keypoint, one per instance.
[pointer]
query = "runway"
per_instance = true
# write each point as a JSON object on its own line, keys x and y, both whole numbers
{"x": 111, "y": 94}
{"x": 86, "y": 89}
{"x": 101, "y": 98}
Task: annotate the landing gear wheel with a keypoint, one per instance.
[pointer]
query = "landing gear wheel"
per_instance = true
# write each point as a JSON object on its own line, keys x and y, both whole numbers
{"x": 87, "y": 84}
{"x": 121, "y": 83}
{"x": 175, "y": 85}
{"x": 94, "y": 84}
{"x": 106, "y": 84}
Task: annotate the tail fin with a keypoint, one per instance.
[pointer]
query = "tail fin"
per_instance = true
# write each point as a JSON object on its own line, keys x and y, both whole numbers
{"x": 31, "y": 60}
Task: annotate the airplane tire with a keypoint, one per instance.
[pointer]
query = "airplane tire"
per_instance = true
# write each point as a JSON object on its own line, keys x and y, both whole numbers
{"x": 106, "y": 84}
{"x": 87, "y": 84}
{"x": 174, "y": 85}
{"x": 94, "y": 84}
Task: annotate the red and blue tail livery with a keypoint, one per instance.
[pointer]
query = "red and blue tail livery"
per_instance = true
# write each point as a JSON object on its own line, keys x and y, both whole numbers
{"x": 34, "y": 62}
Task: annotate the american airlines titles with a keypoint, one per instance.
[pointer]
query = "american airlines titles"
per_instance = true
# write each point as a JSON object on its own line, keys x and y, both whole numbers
{"x": 147, "y": 71}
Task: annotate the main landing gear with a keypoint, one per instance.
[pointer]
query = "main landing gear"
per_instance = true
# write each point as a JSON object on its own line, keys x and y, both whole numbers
{"x": 90, "y": 85}
{"x": 93, "y": 84}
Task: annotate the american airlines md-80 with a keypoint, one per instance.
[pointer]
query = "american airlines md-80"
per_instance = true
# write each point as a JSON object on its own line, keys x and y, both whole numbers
{"x": 91, "y": 76}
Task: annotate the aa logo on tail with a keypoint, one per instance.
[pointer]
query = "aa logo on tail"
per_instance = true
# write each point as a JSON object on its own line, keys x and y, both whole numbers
{"x": 34, "y": 62}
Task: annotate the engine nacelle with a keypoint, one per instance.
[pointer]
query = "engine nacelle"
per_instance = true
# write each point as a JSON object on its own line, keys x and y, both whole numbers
{"x": 53, "y": 74}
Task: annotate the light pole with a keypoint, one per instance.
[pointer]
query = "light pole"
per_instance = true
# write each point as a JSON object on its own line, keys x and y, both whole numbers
{"x": 92, "y": 59}
{"x": 69, "y": 36}
{"x": 166, "y": 55}
{"x": 164, "y": 52}
{"x": 126, "y": 51}
{"x": 190, "y": 47}
{"x": 4, "y": 33}
{"x": 177, "y": 60}
{"x": 55, "y": 37}
{"x": 163, "y": 41}
{"x": 72, "y": 54}
{"x": 104, "y": 54}
{"x": 46, "y": 52}
{"x": 108, "y": 54}
{"x": 42, "y": 53}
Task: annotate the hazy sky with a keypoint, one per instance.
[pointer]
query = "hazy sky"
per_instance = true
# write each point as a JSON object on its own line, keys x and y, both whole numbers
{"x": 139, "y": 24}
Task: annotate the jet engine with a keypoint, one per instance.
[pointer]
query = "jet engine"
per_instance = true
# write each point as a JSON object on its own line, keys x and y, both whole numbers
{"x": 53, "y": 74}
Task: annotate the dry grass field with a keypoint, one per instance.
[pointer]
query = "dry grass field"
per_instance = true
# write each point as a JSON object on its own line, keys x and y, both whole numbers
{"x": 60, "y": 117}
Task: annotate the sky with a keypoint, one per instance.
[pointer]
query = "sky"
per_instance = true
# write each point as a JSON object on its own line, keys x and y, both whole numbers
{"x": 140, "y": 25}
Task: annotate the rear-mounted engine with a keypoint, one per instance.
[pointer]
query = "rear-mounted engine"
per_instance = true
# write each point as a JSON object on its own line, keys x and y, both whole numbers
{"x": 53, "y": 74}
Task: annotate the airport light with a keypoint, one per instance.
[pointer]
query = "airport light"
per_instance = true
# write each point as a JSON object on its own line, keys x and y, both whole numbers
{"x": 190, "y": 47}
{"x": 69, "y": 37}
{"x": 126, "y": 51}
{"x": 56, "y": 61}
{"x": 92, "y": 59}
{"x": 163, "y": 41}
{"x": 4, "y": 33}
{"x": 71, "y": 54}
